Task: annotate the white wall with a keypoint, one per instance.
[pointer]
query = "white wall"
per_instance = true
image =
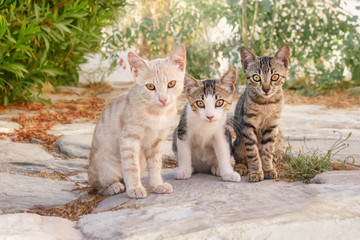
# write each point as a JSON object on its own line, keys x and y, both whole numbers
{"x": 97, "y": 69}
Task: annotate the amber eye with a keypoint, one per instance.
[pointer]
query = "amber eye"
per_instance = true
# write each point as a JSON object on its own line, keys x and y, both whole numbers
{"x": 200, "y": 104}
{"x": 256, "y": 78}
{"x": 219, "y": 103}
{"x": 275, "y": 77}
{"x": 171, "y": 84}
{"x": 150, "y": 86}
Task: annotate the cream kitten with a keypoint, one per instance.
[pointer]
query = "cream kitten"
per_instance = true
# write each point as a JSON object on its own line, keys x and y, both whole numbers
{"x": 201, "y": 141}
{"x": 132, "y": 128}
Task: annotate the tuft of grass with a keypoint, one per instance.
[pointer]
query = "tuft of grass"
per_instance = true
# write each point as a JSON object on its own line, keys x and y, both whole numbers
{"x": 306, "y": 164}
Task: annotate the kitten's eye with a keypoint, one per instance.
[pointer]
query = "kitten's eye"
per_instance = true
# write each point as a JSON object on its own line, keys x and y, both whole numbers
{"x": 150, "y": 86}
{"x": 200, "y": 104}
{"x": 275, "y": 77}
{"x": 171, "y": 84}
{"x": 219, "y": 103}
{"x": 256, "y": 78}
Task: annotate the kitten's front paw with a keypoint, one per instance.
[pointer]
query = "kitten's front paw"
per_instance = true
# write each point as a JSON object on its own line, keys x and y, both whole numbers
{"x": 162, "y": 188}
{"x": 138, "y": 192}
{"x": 256, "y": 176}
{"x": 215, "y": 171}
{"x": 182, "y": 174}
{"x": 271, "y": 174}
{"x": 232, "y": 177}
{"x": 241, "y": 168}
{"x": 115, "y": 188}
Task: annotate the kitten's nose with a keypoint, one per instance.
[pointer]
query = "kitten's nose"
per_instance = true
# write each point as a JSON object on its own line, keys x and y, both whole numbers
{"x": 210, "y": 117}
{"x": 163, "y": 101}
{"x": 266, "y": 90}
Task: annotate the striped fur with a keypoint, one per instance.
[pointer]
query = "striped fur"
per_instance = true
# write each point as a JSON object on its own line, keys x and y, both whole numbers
{"x": 132, "y": 128}
{"x": 259, "y": 139}
{"x": 201, "y": 142}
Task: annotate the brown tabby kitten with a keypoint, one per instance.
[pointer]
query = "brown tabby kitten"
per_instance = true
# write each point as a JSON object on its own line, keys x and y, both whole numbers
{"x": 259, "y": 139}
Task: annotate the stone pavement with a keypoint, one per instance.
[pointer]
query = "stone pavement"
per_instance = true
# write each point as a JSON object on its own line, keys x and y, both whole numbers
{"x": 317, "y": 124}
{"x": 203, "y": 207}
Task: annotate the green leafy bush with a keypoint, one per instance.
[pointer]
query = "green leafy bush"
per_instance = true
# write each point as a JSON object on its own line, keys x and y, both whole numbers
{"x": 43, "y": 42}
{"x": 323, "y": 36}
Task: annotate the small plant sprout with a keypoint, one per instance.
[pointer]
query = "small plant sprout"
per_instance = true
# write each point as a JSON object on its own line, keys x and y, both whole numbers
{"x": 339, "y": 145}
{"x": 307, "y": 163}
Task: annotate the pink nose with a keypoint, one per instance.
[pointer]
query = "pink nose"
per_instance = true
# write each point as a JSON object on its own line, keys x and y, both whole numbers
{"x": 210, "y": 117}
{"x": 163, "y": 101}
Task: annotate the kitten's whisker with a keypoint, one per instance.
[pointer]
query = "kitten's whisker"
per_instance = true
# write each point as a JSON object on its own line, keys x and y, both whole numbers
{"x": 233, "y": 123}
{"x": 236, "y": 126}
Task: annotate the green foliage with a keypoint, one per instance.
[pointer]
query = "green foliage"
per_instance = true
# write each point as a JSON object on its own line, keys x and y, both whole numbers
{"x": 322, "y": 36}
{"x": 164, "y": 24}
{"x": 305, "y": 165}
{"x": 43, "y": 42}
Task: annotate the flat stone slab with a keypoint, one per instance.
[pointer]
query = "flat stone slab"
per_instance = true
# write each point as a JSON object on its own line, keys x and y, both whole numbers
{"x": 70, "y": 89}
{"x": 75, "y": 145}
{"x": 204, "y": 207}
{"x": 11, "y": 151}
{"x": 8, "y": 127}
{"x": 23, "y": 155}
{"x": 19, "y": 193}
{"x": 8, "y": 114}
{"x": 55, "y": 97}
{"x": 33, "y": 226}
{"x": 69, "y": 165}
{"x": 75, "y": 128}
{"x": 77, "y": 138}
{"x": 26, "y": 157}
{"x": 64, "y": 166}
{"x": 318, "y": 123}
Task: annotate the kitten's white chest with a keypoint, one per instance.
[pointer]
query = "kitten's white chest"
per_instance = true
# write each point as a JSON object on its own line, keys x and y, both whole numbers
{"x": 162, "y": 122}
{"x": 157, "y": 126}
{"x": 201, "y": 136}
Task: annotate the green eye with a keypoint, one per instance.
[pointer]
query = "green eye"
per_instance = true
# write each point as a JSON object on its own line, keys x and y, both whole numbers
{"x": 219, "y": 103}
{"x": 256, "y": 78}
{"x": 200, "y": 104}
{"x": 275, "y": 77}
{"x": 150, "y": 86}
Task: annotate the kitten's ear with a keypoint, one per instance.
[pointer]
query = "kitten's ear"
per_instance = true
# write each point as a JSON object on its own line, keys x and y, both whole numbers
{"x": 246, "y": 57}
{"x": 136, "y": 63}
{"x": 228, "y": 80}
{"x": 283, "y": 54}
{"x": 178, "y": 57}
{"x": 190, "y": 84}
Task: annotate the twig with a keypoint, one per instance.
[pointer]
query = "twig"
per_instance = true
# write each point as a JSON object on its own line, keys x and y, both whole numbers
{"x": 253, "y": 24}
{"x": 60, "y": 5}
{"x": 119, "y": 206}
{"x": 67, "y": 54}
{"x": 244, "y": 27}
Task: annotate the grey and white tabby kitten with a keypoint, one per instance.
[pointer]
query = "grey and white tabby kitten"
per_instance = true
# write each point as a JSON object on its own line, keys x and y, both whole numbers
{"x": 259, "y": 139}
{"x": 201, "y": 142}
{"x": 133, "y": 127}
